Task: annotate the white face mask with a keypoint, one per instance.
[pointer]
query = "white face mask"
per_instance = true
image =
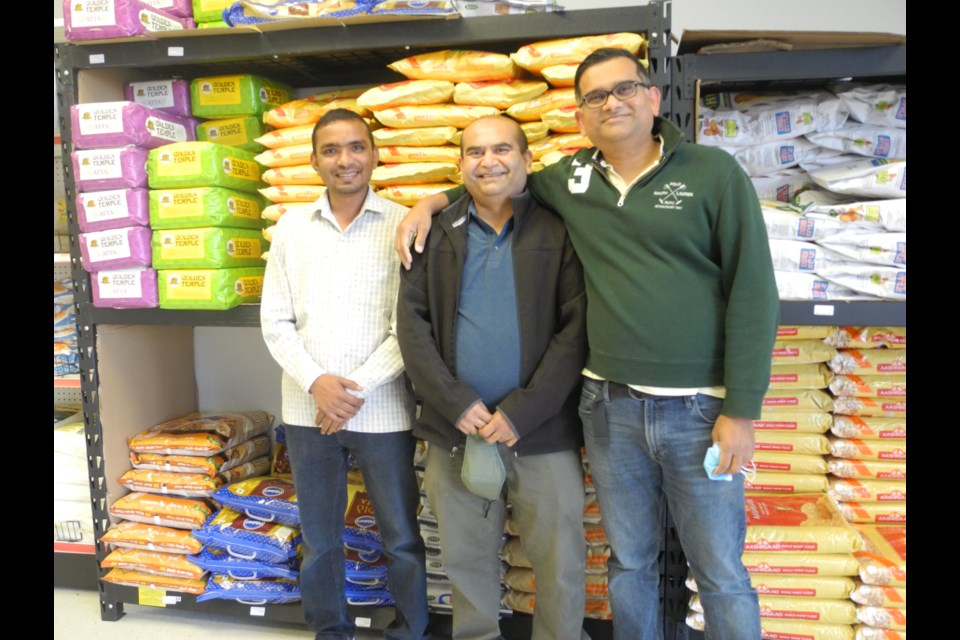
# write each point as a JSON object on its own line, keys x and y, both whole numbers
{"x": 712, "y": 459}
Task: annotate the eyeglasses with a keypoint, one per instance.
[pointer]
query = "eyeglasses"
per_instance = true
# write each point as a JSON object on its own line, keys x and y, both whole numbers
{"x": 623, "y": 91}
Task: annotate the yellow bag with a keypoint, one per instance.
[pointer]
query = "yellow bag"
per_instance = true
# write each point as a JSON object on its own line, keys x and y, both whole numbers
{"x": 293, "y": 193}
{"x": 415, "y": 173}
{"x": 407, "y": 92}
{"x": 547, "y": 101}
{"x": 410, "y": 194}
{"x": 412, "y": 116}
{"x": 499, "y": 94}
{"x": 291, "y": 174}
{"x": 457, "y": 66}
{"x": 309, "y": 110}
{"x": 536, "y": 56}
{"x": 416, "y": 137}
{"x": 562, "y": 120}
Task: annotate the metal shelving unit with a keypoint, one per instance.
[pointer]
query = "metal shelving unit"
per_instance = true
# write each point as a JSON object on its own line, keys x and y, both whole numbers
{"x": 305, "y": 58}
{"x": 798, "y": 69}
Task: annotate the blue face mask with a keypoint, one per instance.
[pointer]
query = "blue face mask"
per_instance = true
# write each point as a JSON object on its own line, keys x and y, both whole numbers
{"x": 712, "y": 459}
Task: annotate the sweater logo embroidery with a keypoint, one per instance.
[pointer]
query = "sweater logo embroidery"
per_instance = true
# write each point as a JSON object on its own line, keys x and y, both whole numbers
{"x": 671, "y": 196}
{"x": 581, "y": 178}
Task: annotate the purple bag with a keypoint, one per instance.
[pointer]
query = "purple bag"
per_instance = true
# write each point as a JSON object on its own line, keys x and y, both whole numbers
{"x": 116, "y": 168}
{"x": 96, "y": 125}
{"x": 113, "y": 249}
{"x": 168, "y": 96}
{"x": 99, "y": 20}
{"x": 125, "y": 288}
{"x": 113, "y": 209}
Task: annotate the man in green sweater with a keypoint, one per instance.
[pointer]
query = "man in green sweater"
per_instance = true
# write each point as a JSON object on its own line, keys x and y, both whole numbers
{"x": 682, "y": 310}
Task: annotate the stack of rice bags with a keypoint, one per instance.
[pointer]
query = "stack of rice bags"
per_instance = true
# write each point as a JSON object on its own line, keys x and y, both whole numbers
{"x": 178, "y": 466}
{"x": 830, "y": 170}
{"x": 251, "y": 545}
{"x": 800, "y": 553}
{"x": 287, "y": 144}
{"x": 110, "y": 19}
{"x": 868, "y": 442}
{"x": 112, "y": 141}
{"x": 795, "y": 414}
{"x": 881, "y": 591}
{"x": 519, "y": 579}
{"x": 72, "y": 517}
{"x": 790, "y": 440}
{"x": 66, "y": 357}
{"x": 423, "y": 116}
{"x": 204, "y": 207}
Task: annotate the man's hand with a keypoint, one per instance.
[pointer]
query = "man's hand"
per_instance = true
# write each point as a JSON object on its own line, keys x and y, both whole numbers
{"x": 735, "y": 436}
{"x": 498, "y": 430}
{"x": 474, "y": 418}
{"x": 334, "y": 403}
{"x": 417, "y": 223}
{"x": 328, "y": 425}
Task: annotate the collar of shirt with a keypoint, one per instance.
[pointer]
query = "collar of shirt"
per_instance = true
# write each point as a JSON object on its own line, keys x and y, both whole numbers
{"x": 615, "y": 179}
{"x": 325, "y": 211}
{"x": 475, "y": 218}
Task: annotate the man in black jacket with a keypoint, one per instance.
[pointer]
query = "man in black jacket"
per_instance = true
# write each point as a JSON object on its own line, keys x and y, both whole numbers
{"x": 491, "y": 327}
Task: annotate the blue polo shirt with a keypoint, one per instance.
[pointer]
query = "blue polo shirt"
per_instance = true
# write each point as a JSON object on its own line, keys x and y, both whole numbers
{"x": 488, "y": 328}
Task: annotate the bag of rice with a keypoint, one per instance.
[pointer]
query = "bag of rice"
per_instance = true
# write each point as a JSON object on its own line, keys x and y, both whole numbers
{"x": 560, "y": 75}
{"x": 851, "y": 490}
{"x": 499, "y": 94}
{"x": 798, "y": 522}
{"x": 876, "y": 178}
{"x": 874, "y": 512}
{"x": 775, "y": 482}
{"x": 890, "y": 215}
{"x": 180, "y": 513}
{"x": 797, "y": 285}
{"x": 309, "y": 110}
{"x": 538, "y": 55}
{"x": 869, "y": 362}
{"x": 769, "y": 157}
{"x": 800, "y": 376}
{"x": 293, "y": 155}
{"x": 219, "y": 561}
{"x": 794, "y": 400}
{"x": 867, "y": 469}
{"x": 558, "y": 142}
{"x": 128, "y": 534}
{"x": 786, "y": 608}
{"x": 872, "y": 407}
{"x": 110, "y": 19}
{"x": 781, "y": 186}
{"x": 858, "y": 449}
{"x": 797, "y": 352}
{"x": 150, "y": 581}
{"x": 883, "y": 560}
{"x": 415, "y": 137}
{"x": 869, "y": 337}
{"x": 562, "y": 120}
{"x": 214, "y": 289}
{"x": 889, "y": 283}
{"x": 125, "y": 248}
{"x": 116, "y": 124}
{"x": 415, "y": 173}
{"x": 880, "y": 596}
{"x": 801, "y": 564}
{"x": 869, "y": 427}
{"x": 876, "y": 248}
{"x": 190, "y": 485}
{"x": 249, "y": 538}
{"x": 274, "y": 212}
{"x": 787, "y": 222}
{"x": 125, "y": 289}
{"x": 168, "y": 96}
{"x": 208, "y": 248}
{"x": 409, "y": 194}
{"x": 548, "y": 101}
{"x": 395, "y": 155}
{"x": 204, "y": 207}
{"x": 300, "y": 174}
{"x": 457, "y": 66}
{"x": 864, "y": 632}
{"x": 118, "y": 168}
{"x": 822, "y": 587}
{"x": 790, "y": 462}
{"x": 264, "y": 498}
{"x": 775, "y": 628}
{"x": 201, "y": 433}
{"x": 203, "y": 164}
{"x": 407, "y": 92}
{"x": 883, "y": 617}
{"x": 112, "y": 209}
{"x": 241, "y": 132}
{"x": 864, "y": 140}
{"x": 880, "y": 104}
{"x": 250, "y": 592}
{"x": 287, "y": 193}
{"x": 236, "y": 95}
{"x": 535, "y": 131}
{"x": 152, "y": 562}
{"x": 433, "y": 115}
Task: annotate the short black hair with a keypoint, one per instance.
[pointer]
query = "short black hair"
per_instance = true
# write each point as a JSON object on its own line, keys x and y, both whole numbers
{"x": 339, "y": 115}
{"x": 603, "y": 55}
{"x": 522, "y": 143}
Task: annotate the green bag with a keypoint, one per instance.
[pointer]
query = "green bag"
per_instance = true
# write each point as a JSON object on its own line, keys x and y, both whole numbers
{"x": 482, "y": 472}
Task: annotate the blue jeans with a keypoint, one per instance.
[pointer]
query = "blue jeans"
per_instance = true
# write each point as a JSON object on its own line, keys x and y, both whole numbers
{"x": 641, "y": 449}
{"x": 319, "y": 465}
